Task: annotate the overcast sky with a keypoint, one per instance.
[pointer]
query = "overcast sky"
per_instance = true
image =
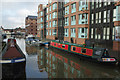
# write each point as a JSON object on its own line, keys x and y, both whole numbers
{"x": 13, "y": 12}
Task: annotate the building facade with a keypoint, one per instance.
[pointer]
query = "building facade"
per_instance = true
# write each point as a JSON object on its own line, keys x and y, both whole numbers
{"x": 31, "y": 25}
{"x": 68, "y": 21}
{"x": 76, "y": 27}
{"x": 41, "y": 21}
{"x": 84, "y": 22}
{"x": 103, "y": 22}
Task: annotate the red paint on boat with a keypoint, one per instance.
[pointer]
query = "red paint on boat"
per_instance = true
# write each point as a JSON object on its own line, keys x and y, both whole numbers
{"x": 59, "y": 45}
{"x": 66, "y": 46}
{"x": 89, "y": 52}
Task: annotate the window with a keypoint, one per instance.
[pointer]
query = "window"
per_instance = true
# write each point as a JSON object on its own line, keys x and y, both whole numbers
{"x": 66, "y": 1}
{"x": 82, "y": 32}
{"x": 66, "y": 10}
{"x": 73, "y": 20}
{"x": 100, "y": 3}
{"x": 50, "y": 24}
{"x": 47, "y": 17}
{"x": 104, "y": 17}
{"x": 46, "y": 32}
{"x": 50, "y": 17}
{"x": 41, "y": 13}
{"x": 54, "y": 32}
{"x": 54, "y": 6}
{"x": 41, "y": 26}
{"x": 96, "y": 3}
{"x": 92, "y": 4}
{"x": 46, "y": 24}
{"x": 114, "y": 14}
{"x": 92, "y": 21}
{"x": 108, "y": 16}
{"x": 91, "y": 32}
{"x": 108, "y": 33}
{"x": 54, "y": 24}
{"x": 83, "y": 5}
{"x": 54, "y": 44}
{"x": 66, "y": 21}
{"x": 50, "y": 8}
{"x": 47, "y": 10}
{"x": 73, "y": 7}
{"x": 105, "y": 2}
{"x": 83, "y": 18}
{"x": 104, "y": 33}
{"x": 54, "y": 15}
{"x": 63, "y": 46}
{"x": 83, "y": 50}
{"x": 109, "y": 2}
{"x": 118, "y": 13}
{"x": 66, "y": 33}
{"x": 73, "y": 33}
{"x": 73, "y": 48}
{"x": 96, "y": 36}
{"x": 113, "y": 34}
{"x": 98, "y": 33}
{"x": 50, "y": 32}
{"x": 99, "y": 17}
{"x": 41, "y": 19}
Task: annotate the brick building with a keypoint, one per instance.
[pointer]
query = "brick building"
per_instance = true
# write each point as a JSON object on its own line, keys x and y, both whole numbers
{"x": 31, "y": 25}
{"x": 66, "y": 20}
{"x": 41, "y": 21}
{"x": 83, "y": 22}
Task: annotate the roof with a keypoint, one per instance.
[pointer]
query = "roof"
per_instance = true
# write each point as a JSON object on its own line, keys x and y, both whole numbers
{"x": 31, "y": 17}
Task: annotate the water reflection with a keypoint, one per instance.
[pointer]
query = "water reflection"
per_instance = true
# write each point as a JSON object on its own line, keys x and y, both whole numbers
{"x": 53, "y": 63}
{"x": 14, "y": 71}
{"x": 59, "y": 64}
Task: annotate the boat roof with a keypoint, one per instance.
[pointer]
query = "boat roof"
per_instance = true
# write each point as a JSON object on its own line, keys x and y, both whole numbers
{"x": 78, "y": 45}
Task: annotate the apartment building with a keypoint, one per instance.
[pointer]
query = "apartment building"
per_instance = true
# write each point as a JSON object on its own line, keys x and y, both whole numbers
{"x": 41, "y": 21}
{"x": 104, "y": 23}
{"x": 76, "y": 27}
{"x": 84, "y": 22}
{"x": 67, "y": 20}
{"x": 52, "y": 20}
{"x": 31, "y": 25}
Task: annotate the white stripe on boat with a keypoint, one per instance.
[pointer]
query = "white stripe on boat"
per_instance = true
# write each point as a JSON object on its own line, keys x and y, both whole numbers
{"x": 5, "y": 61}
{"x": 12, "y": 61}
{"x": 19, "y": 60}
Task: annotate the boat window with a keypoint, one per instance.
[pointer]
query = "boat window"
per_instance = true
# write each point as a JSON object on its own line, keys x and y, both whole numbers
{"x": 54, "y": 44}
{"x": 83, "y": 50}
{"x": 63, "y": 46}
{"x": 73, "y": 48}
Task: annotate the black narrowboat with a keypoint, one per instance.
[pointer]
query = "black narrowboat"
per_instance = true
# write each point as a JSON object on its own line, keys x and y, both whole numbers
{"x": 12, "y": 53}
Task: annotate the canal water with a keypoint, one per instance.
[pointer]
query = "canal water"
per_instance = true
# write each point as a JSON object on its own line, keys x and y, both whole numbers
{"x": 52, "y": 63}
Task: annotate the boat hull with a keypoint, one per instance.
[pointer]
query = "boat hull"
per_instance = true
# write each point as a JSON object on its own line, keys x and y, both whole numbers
{"x": 89, "y": 58}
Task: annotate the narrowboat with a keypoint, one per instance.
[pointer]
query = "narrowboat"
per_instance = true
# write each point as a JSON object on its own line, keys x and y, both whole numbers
{"x": 93, "y": 53}
{"x": 12, "y": 53}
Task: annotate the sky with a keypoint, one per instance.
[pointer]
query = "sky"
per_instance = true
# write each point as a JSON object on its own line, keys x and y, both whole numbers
{"x": 14, "y": 12}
